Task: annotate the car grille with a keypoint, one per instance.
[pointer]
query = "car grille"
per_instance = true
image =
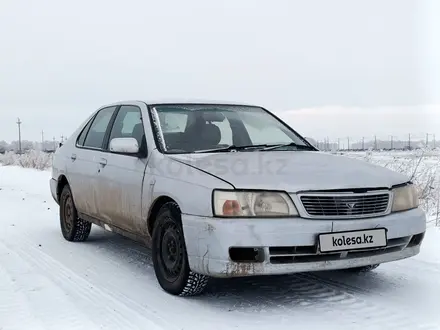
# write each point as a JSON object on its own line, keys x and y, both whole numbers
{"x": 304, "y": 254}
{"x": 346, "y": 205}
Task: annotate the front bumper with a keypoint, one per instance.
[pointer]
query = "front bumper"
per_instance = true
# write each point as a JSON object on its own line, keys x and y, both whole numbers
{"x": 283, "y": 246}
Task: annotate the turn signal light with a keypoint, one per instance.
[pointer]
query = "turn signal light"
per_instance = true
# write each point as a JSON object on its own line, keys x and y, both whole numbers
{"x": 231, "y": 207}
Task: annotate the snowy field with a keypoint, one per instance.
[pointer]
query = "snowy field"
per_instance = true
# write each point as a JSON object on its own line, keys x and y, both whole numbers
{"x": 108, "y": 282}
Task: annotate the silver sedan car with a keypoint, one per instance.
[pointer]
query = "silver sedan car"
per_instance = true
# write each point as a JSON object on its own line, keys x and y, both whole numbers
{"x": 227, "y": 190}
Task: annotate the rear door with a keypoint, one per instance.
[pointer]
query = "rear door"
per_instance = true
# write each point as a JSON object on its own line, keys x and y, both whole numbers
{"x": 120, "y": 180}
{"x": 83, "y": 168}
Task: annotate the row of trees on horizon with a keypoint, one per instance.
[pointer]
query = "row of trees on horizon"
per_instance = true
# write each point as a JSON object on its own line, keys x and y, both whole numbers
{"x": 377, "y": 144}
{"x": 26, "y": 145}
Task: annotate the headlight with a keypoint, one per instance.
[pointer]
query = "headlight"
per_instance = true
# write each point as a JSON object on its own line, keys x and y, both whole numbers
{"x": 230, "y": 203}
{"x": 405, "y": 198}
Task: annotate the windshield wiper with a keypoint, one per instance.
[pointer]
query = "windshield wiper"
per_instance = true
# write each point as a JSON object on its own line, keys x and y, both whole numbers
{"x": 291, "y": 144}
{"x": 234, "y": 148}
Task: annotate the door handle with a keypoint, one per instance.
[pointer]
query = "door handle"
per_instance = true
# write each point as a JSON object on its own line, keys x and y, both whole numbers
{"x": 73, "y": 157}
{"x": 103, "y": 161}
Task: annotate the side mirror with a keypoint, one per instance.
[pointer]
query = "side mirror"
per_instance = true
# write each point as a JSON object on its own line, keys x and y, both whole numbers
{"x": 124, "y": 145}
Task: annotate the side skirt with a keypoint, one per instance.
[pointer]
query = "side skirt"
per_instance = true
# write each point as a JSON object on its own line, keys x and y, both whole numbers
{"x": 134, "y": 237}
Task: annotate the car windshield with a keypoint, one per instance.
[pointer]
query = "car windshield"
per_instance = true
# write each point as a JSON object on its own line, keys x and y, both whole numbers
{"x": 187, "y": 128}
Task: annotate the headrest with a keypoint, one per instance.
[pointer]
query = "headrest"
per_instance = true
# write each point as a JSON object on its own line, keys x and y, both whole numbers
{"x": 211, "y": 134}
{"x": 213, "y": 116}
{"x": 138, "y": 133}
{"x": 138, "y": 129}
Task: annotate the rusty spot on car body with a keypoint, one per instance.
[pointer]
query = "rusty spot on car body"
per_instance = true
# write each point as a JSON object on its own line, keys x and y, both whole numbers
{"x": 241, "y": 269}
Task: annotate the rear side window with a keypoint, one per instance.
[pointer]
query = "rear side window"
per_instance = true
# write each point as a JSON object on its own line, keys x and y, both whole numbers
{"x": 96, "y": 133}
{"x": 82, "y": 136}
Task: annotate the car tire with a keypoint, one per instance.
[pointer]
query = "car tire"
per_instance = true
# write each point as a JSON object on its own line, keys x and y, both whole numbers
{"x": 170, "y": 258}
{"x": 364, "y": 269}
{"x": 73, "y": 228}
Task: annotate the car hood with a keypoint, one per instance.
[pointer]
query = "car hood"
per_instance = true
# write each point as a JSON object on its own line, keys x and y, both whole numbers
{"x": 292, "y": 171}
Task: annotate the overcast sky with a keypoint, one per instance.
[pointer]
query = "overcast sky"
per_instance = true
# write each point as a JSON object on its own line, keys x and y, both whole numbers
{"x": 62, "y": 59}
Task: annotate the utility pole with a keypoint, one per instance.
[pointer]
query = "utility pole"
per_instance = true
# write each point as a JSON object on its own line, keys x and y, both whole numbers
{"x": 363, "y": 143}
{"x": 19, "y": 135}
{"x": 409, "y": 141}
{"x": 392, "y": 142}
{"x": 375, "y": 142}
{"x": 348, "y": 143}
{"x": 427, "y": 140}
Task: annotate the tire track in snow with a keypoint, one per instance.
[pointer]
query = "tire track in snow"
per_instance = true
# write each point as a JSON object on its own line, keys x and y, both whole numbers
{"x": 373, "y": 302}
{"x": 28, "y": 305}
{"x": 15, "y": 312}
{"x": 406, "y": 272}
{"x": 116, "y": 314}
{"x": 163, "y": 302}
{"x": 326, "y": 299}
{"x": 421, "y": 264}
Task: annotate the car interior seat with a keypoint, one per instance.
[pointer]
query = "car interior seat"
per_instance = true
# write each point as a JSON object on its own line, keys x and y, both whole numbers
{"x": 139, "y": 134}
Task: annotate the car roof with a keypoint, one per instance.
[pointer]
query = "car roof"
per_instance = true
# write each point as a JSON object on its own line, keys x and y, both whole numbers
{"x": 183, "y": 101}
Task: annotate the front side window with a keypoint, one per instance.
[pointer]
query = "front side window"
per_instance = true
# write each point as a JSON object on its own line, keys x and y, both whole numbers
{"x": 128, "y": 123}
{"x": 96, "y": 133}
{"x": 186, "y": 128}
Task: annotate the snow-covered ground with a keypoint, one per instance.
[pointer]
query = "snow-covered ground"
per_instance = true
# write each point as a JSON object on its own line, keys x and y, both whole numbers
{"x": 108, "y": 282}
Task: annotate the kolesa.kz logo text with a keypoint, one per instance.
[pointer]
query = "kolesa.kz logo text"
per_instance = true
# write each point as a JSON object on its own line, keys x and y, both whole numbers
{"x": 355, "y": 240}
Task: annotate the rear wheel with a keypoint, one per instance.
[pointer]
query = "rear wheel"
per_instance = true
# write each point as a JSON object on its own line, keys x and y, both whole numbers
{"x": 73, "y": 228}
{"x": 170, "y": 258}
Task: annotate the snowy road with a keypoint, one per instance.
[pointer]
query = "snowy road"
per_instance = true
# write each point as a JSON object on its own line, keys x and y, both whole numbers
{"x": 108, "y": 282}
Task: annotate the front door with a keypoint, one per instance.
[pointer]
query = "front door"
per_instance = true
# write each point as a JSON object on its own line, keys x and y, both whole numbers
{"x": 121, "y": 176}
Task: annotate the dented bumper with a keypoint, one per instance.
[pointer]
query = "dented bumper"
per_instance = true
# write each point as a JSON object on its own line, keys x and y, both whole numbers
{"x": 283, "y": 246}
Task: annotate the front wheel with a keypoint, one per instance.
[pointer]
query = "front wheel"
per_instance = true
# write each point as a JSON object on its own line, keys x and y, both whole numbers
{"x": 170, "y": 258}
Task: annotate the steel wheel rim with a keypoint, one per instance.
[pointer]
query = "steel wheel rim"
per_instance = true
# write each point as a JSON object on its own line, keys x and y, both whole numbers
{"x": 68, "y": 214}
{"x": 171, "y": 252}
